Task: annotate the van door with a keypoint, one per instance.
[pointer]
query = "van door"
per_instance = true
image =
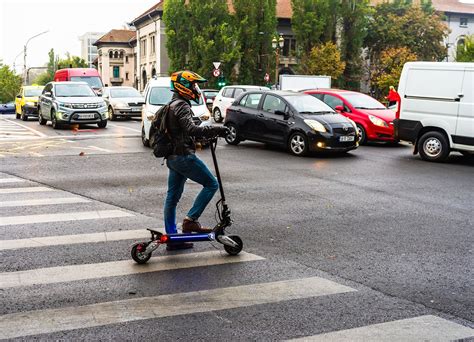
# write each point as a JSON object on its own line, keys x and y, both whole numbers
{"x": 465, "y": 125}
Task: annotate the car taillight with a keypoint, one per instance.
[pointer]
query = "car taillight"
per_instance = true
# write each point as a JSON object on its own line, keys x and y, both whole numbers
{"x": 397, "y": 114}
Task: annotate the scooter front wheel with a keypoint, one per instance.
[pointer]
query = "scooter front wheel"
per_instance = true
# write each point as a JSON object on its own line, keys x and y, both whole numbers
{"x": 137, "y": 253}
{"x": 237, "y": 249}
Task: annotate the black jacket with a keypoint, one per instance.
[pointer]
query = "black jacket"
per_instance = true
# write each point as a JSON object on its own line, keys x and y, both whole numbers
{"x": 181, "y": 127}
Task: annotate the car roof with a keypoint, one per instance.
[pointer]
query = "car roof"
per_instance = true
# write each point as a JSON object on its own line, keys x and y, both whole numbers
{"x": 69, "y": 82}
{"x": 330, "y": 90}
{"x": 277, "y": 92}
{"x": 245, "y": 86}
{"x": 33, "y": 86}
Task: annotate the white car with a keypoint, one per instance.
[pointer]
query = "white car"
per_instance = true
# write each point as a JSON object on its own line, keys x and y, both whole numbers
{"x": 157, "y": 94}
{"x": 122, "y": 101}
{"x": 226, "y": 96}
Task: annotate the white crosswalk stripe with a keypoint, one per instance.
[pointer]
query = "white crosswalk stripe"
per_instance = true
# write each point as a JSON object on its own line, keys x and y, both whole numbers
{"x": 27, "y": 206}
{"x": 11, "y": 130}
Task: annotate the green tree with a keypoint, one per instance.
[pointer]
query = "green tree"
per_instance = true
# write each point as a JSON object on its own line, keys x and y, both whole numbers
{"x": 177, "y": 21}
{"x": 257, "y": 22}
{"x": 465, "y": 51}
{"x": 10, "y": 83}
{"x": 72, "y": 62}
{"x": 353, "y": 31}
{"x": 48, "y": 76}
{"x": 325, "y": 59}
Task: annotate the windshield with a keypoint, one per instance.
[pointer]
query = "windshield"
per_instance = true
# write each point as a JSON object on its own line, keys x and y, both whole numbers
{"x": 74, "y": 90}
{"x": 308, "y": 104}
{"x": 124, "y": 92}
{"x": 33, "y": 92}
{"x": 362, "y": 101}
{"x": 160, "y": 96}
{"x": 93, "y": 81}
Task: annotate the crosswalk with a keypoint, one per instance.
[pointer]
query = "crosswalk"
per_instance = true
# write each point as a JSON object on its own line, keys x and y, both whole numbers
{"x": 66, "y": 274}
{"x": 11, "y": 129}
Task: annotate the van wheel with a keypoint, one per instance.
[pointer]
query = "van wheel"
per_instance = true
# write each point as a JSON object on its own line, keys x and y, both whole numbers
{"x": 217, "y": 115}
{"x": 145, "y": 141}
{"x": 362, "y": 135}
{"x": 433, "y": 146}
{"x": 233, "y": 137}
{"x": 298, "y": 144}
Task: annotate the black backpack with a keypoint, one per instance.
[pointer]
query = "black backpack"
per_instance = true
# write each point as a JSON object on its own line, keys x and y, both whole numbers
{"x": 160, "y": 138}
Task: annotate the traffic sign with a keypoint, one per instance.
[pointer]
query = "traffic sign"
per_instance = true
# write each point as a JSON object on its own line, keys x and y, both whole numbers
{"x": 216, "y": 72}
{"x": 216, "y": 64}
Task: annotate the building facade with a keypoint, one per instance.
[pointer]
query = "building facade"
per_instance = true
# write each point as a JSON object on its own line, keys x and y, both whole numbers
{"x": 116, "y": 59}
{"x": 88, "y": 50}
{"x": 152, "y": 56}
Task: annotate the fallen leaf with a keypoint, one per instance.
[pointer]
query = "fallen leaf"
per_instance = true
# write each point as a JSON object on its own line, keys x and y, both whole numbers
{"x": 82, "y": 154}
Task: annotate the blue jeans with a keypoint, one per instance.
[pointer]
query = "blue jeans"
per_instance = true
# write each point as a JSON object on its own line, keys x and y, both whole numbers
{"x": 180, "y": 169}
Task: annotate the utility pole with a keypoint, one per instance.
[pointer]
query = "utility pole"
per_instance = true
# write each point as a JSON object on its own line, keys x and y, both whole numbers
{"x": 24, "y": 54}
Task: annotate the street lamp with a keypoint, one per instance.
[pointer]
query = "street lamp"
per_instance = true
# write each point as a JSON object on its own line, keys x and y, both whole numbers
{"x": 24, "y": 53}
{"x": 277, "y": 45}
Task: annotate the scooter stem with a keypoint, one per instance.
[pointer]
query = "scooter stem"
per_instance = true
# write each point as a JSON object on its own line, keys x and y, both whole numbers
{"x": 216, "y": 167}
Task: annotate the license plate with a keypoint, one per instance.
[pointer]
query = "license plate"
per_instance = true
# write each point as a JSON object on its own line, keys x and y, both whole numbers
{"x": 86, "y": 116}
{"x": 346, "y": 138}
{"x": 136, "y": 109}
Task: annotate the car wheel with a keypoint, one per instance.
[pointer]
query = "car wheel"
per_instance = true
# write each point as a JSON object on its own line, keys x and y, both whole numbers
{"x": 41, "y": 120}
{"x": 233, "y": 137}
{"x": 23, "y": 116}
{"x": 433, "y": 146}
{"x": 145, "y": 141}
{"x": 111, "y": 114}
{"x": 54, "y": 120}
{"x": 362, "y": 134}
{"x": 217, "y": 115}
{"x": 298, "y": 144}
{"x": 102, "y": 124}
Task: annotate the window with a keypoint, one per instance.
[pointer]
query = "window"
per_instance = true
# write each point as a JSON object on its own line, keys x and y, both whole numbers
{"x": 111, "y": 54}
{"x": 143, "y": 48}
{"x": 228, "y": 92}
{"x": 463, "y": 22}
{"x": 318, "y": 96}
{"x": 289, "y": 47}
{"x": 253, "y": 100}
{"x": 121, "y": 54}
{"x": 116, "y": 55}
{"x": 333, "y": 101}
{"x": 126, "y": 59}
{"x": 237, "y": 92}
{"x": 126, "y": 76}
{"x": 152, "y": 42}
{"x": 116, "y": 72}
{"x": 242, "y": 101}
{"x": 272, "y": 104}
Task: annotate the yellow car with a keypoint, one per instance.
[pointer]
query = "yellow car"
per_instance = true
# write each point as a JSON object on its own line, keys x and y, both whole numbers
{"x": 26, "y": 102}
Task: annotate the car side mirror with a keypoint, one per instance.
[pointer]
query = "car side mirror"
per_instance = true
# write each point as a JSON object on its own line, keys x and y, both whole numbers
{"x": 339, "y": 108}
{"x": 48, "y": 94}
{"x": 209, "y": 101}
{"x": 285, "y": 115}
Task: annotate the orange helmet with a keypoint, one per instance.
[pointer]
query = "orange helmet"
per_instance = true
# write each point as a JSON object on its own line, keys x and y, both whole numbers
{"x": 185, "y": 84}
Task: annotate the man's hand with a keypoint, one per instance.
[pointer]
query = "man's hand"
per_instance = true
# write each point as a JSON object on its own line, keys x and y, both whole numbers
{"x": 221, "y": 131}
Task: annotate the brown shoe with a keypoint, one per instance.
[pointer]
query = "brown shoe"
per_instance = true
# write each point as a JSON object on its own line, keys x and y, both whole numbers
{"x": 194, "y": 227}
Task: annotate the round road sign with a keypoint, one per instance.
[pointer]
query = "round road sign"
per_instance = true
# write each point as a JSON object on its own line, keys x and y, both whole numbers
{"x": 216, "y": 72}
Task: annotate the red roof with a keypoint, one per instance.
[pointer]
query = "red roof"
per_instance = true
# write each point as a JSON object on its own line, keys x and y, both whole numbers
{"x": 156, "y": 7}
{"x": 117, "y": 36}
{"x": 453, "y": 6}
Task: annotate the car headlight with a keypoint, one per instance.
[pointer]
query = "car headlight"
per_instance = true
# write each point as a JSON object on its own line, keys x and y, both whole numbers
{"x": 377, "y": 121}
{"x": 102, "y": 104}
{"x": 121, "y": 105}
{"x": 31, "y": 104}
{"x": 65, "y": 105}
{"x": 316, "y": 125}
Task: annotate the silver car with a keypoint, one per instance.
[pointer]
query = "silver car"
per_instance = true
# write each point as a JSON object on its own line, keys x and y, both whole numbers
{"x": 123, "y": 101}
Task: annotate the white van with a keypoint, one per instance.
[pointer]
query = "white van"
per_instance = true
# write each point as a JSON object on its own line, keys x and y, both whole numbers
{"x": 436, "y": 111}
{"x": 158, "y": 93}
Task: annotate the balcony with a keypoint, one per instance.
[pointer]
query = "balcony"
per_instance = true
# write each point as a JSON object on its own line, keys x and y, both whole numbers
{"x": 288, "y": 60}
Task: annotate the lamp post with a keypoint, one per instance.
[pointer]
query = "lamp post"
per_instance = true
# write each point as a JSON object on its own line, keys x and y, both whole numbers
{"x": 24, "y": 53}
{"x": 277, "y": 44}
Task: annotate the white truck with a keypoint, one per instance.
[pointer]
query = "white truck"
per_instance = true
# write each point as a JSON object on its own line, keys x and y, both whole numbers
{"x": 303, "y": 82}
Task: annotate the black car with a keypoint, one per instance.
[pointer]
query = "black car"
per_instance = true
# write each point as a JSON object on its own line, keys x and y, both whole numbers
{"x": 297, "y": 121}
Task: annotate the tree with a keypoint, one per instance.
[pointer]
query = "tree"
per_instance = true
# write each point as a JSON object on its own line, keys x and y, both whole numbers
{"x": 177, "y": 23}
{"x": 48, "y": 76}
{"x": 257, "y": 22}
{"x": 388, "y": 71}
{"x": 353, "y": 31}
{"x": 10, "y": 83}
{"x": 325, "y": 59}
{"x": 465, "y": 51}
{"x": 72, "y": 62}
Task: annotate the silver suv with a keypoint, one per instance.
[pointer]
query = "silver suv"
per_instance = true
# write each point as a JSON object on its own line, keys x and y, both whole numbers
{"x": 123, "y": 101}
{"x": 71, "y": 103}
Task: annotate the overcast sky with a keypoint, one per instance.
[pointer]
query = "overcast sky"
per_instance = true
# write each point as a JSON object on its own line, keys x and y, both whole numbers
{"x": 66, "y": 20}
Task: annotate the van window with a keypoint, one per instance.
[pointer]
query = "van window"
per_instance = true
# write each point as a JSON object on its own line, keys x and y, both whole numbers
{"x": 442, "y": 84}
{"x": 93, "y": 81}
{"x": 160, "y": 96}
{"x": 228, "y": 92}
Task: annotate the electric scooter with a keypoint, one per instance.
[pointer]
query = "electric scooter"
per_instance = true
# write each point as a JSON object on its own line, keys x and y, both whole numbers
{"x": 141, "y": 251}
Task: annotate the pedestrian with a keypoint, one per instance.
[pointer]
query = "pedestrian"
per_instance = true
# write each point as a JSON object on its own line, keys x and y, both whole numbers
{"x": 183, "y": 162}
{"x": 393, "y": 97}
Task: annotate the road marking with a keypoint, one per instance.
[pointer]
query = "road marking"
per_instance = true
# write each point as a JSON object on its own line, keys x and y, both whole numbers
{"x": 100, "y": 149}
{"x": 71, "y": 137}
{"x": 129, "y": 128}
{"x": 423, "y": 328}
{"x": 61, "y": 217}
{"x": 60, "y": 274}
{"x": 74, "y": 239}
{"x": 28, "y": 128}
{"x": 87, "y": 316}
{"x": 24, "y": 190}
{"x": 43, "y": 201}
{"x": 11, "y": 180}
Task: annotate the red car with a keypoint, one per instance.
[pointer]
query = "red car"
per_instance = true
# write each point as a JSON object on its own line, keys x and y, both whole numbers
{"x": 374, "y": 121}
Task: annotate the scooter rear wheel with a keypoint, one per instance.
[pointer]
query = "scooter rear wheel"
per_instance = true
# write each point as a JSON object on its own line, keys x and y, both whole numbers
{"x": 137, "y": 250}
{"x": 234, "y": 250}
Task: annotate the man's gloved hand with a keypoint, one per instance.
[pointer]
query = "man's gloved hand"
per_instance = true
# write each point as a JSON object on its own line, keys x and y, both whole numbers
{"x": 221, "y": 131}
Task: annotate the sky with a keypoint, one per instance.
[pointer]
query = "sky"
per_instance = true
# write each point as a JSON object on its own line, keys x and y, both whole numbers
{"x": 65, "y": 21}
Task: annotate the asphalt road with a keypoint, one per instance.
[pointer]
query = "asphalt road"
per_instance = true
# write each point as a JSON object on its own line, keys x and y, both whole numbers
{"x": 352, "y": 241}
